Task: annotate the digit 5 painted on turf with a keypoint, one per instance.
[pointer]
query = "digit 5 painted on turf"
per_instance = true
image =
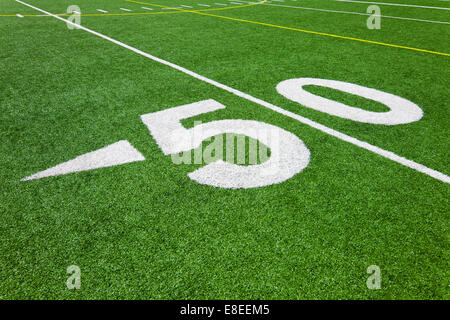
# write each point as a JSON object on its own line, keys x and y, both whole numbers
{"x": 288, "y": 157}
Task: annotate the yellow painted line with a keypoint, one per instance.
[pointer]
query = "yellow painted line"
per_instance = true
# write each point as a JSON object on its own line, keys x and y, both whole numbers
{"x": 137, "y": 13}
{"x": 306, "y": 31}
{"x": 211, "y": 9}
{"x": 329, "y": 35}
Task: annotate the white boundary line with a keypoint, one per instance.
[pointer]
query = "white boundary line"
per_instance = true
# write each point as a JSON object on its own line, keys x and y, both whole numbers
{"x": 100, "y": 10}
{"x": 342, "y": 136}
{"x": 19, "y": 15}
{"x": 395, "y": 4}
{"x": 351, "y": 12}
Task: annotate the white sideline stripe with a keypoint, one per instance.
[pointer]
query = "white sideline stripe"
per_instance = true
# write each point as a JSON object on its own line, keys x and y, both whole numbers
{"x": 124, "y": 9}
{"x": 394, "y": 4}
{"x": 19, "y": 15}
{"x": 102, "y": 10}
{"x": 204, "y": 5}
{"x": 357, "y": 13}
{"x": 342, "y": 136}
{"x": 145, "y": 8}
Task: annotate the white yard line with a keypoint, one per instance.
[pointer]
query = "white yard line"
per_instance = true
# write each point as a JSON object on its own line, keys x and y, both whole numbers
{"x": 100, "y": 10}
{"x": 220, "y": 4}
{"x": 204, "y": 5}
{"x": 394, "y": 4}
{"x": 19, "y": 15}
{"x": 182, "y": 5}
{"x": 145, "y": 8}
{"x": 342, "y": 136}
{"x": 357, "y": 13}
{"x": 124, "y": 9}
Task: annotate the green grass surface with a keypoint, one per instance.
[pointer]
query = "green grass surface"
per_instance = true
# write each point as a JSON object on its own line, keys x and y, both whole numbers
{"x": 145, "y": 230}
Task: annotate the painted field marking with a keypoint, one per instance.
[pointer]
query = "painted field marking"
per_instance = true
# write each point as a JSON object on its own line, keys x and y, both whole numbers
{"x": 305, "y": 31}
{"x": 204, "y": 5}
{"x": 394, "y": 4}
{"x": 19, "y": 15}
{"x": 342, "y": 136}
{"x": 100, "y": 10}
{"x": 356, "y": 13}
{"x": 182, "y": 5}
{"x": 124, "y": 9}
{"x": 138, "y": 13}
{"x": 220, "y": 4}
{"x": 116, "y": 154}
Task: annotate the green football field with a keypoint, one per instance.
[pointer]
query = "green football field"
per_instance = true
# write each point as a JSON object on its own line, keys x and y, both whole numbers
{"x": 350, "y": 120}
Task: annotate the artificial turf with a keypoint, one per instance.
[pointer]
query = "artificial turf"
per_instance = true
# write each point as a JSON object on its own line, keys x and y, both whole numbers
{"x": 145, "y": 230}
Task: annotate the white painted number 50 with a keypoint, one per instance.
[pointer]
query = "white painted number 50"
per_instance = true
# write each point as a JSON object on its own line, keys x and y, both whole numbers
{"x": 289, "y": 155}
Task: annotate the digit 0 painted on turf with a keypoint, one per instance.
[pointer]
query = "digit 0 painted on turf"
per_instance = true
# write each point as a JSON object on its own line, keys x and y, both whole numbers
{"x": 402, "y": 110}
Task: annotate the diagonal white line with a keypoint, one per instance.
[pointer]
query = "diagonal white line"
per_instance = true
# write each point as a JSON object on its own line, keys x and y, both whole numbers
{"x": 342, "y": 136}
{"x": 395, "y": 4}
{"x": 351, "y": 12}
